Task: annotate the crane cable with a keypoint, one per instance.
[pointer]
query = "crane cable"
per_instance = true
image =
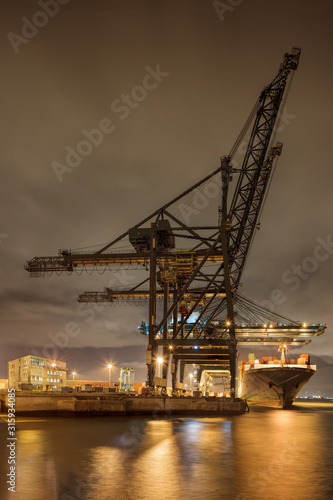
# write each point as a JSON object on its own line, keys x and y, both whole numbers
{"x": 233, "y": 151}
{"x": 244, "y": 129}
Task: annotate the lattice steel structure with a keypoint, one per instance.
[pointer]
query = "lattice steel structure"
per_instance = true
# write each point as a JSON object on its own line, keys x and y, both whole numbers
{"x": 204, "y": 277}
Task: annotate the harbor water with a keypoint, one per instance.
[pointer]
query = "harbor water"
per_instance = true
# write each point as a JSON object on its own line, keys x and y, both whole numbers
{"x": 265, "y": 454}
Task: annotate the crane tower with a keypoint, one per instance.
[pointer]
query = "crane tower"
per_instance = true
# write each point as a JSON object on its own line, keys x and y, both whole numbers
{"x": 194, "y": 284}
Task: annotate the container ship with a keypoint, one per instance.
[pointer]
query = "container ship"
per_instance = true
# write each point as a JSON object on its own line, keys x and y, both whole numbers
{"x": 273, "y": 382}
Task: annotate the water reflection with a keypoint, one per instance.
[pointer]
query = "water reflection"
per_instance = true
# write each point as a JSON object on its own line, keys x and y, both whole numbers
{"x": 265, "y": 454}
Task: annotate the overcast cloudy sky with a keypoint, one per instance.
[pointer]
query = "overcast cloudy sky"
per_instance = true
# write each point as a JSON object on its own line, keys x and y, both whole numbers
{"x": 66, "y": 65}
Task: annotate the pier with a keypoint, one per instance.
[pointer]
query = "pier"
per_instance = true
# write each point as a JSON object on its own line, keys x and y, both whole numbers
{"x": 78, "y": 404}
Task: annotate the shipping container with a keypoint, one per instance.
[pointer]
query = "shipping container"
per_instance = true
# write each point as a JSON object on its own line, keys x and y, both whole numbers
{"x": 86, "y": 387}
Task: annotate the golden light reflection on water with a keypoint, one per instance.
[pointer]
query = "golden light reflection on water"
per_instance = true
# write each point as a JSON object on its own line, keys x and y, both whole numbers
{"x": 140, "y": 466}
{"x": 169, "y": 455}
{"x": 35, "y": 482}
{"x": 265, "y": 454}
{"x": 285, "y": 457}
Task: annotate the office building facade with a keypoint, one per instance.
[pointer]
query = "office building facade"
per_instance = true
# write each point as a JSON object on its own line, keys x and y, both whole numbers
{"x": 36, "y": 373}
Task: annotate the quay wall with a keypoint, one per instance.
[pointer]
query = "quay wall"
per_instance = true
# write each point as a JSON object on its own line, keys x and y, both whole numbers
{"x": 27, "y": 402}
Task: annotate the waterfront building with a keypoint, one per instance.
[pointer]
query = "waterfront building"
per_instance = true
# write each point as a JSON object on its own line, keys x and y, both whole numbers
{"x": 3, "y": 384}
{"x": 36, "y": 373}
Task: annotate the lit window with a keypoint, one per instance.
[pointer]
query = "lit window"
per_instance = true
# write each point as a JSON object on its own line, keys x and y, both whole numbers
{"x": 57, "y": 380}
{"x": 51, "y": 379}
{"x": 48, "y": 372}
{"x": 48, "y": 380}
{"x": 51, "y": 373}
{"x": 37, "y": 362}
{"x": 60, "y": 374}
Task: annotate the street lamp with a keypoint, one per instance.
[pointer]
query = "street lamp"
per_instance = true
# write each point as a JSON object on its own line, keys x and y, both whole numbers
{"x": 73, "y": 373}
{"x": 110, "y": 368}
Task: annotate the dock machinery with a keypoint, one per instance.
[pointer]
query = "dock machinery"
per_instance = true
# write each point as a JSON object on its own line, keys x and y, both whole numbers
{"x": 203, "y": 277}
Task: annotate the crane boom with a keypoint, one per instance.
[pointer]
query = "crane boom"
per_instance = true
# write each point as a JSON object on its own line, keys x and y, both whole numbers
{"x": 256, "y": 168}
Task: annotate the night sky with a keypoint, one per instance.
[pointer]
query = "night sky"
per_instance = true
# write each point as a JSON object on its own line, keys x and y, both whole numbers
{"x": 67, "y": 76}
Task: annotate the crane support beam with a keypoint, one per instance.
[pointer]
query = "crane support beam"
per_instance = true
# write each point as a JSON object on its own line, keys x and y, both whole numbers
{"x": 201, "y": 352}
{"x": 67, "y": 261}
{"x": 109, "y": 295}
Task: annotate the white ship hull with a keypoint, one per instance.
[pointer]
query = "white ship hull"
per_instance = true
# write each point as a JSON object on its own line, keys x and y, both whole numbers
{"x": 273, "y": 385}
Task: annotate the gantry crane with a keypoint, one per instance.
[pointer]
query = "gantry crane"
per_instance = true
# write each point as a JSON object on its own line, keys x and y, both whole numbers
{"x": 205, "y": 276}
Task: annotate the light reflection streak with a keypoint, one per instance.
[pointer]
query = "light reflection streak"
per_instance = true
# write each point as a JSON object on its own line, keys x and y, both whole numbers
{"x": 244, "y": 457}
{"x": 31, "y": 470}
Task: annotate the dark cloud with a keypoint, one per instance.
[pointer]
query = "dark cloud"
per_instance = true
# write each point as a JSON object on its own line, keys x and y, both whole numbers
{"x": 64, "y": 80}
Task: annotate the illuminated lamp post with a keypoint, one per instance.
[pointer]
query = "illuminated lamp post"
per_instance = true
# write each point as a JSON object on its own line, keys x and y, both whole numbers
{"x": 110, "y": 368}
{"x": 160, "y": 363}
